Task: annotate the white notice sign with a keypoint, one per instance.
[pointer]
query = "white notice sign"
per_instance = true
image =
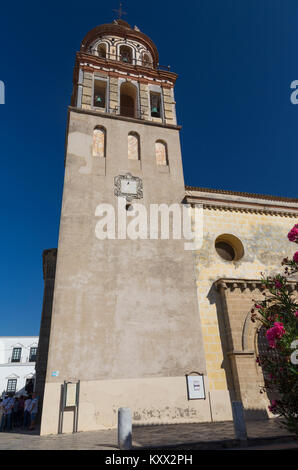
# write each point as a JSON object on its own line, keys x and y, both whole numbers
{"x": 71, "y": 394}
{"x": 195, "y": 386}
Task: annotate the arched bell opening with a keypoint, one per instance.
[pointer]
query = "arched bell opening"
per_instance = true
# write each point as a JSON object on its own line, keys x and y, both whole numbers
{"x": 102, "y": 50}
{"x": 99, "y": 95}
{"x": 147, "y": 62}
{"x": 126, "y": 54}
{"x": 128, "y": 100}
{"x": 155, "y": 105}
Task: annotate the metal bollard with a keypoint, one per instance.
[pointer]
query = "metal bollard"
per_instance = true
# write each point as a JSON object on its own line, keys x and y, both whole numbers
{"x": 124, "y": 429}
{"x": 239, "y": 421}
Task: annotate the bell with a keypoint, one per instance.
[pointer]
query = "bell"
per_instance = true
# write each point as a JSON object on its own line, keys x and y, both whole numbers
{"x": 155, "y": 112}
{"x": 98, "y": 99}
{"x": 124, "y": 59}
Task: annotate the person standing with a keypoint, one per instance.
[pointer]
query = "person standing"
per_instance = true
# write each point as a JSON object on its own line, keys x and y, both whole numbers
{"x": 15, "y": 409}
{"x": 2, "y": 414}
{"x": 21, "y": 410}
{"x": 8, "y": 408}
{"x": 33, "y": 409}
{"x": 26, "y": 422}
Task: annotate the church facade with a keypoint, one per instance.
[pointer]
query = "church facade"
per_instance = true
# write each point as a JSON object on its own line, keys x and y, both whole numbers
{"x": 132, "y": 318}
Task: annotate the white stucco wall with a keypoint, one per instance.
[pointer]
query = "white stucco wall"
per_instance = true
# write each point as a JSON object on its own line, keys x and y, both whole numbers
{"x": 22, "y": 370}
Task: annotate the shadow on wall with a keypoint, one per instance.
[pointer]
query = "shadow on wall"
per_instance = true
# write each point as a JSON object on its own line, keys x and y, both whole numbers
{"x": 255, "y": 414}
{"x": 214, "y": 298}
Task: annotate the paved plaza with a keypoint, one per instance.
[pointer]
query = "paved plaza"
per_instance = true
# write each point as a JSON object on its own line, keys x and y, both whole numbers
{"x": 261, "y": 434}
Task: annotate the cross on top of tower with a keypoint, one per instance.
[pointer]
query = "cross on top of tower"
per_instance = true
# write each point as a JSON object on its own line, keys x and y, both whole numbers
{"x": 120, "y": 11}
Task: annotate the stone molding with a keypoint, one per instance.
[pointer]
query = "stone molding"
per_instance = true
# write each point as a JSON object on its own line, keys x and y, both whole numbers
{"x": 196, "y": 190}
{"x": 241, "y": 353}
{"x": 90, "y": 63}
{"x": 250, "y": 284}
{"x": 122, "y": 118}
{"x": 242, "y": 202}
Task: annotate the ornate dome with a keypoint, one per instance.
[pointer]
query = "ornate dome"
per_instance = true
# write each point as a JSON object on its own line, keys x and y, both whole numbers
{"x": 117, "y": 31}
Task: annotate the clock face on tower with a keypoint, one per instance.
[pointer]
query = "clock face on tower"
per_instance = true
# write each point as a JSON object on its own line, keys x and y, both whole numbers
{"x": 128, "y": 186}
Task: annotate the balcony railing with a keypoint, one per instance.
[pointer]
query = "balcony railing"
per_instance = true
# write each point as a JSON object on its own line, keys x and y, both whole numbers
{"x": 128, "y": 111}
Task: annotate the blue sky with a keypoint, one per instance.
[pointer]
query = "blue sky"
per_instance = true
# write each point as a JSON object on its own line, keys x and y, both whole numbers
{"x": 235, "y": 59}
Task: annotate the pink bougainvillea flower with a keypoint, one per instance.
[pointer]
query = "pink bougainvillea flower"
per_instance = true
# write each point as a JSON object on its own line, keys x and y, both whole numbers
{"x": 258, "y": 306}
{"x": 296, "y": 314}
{"x": 295, "y": 257}
{"x": 274, "y": 333}
{"x": 273, "y": 406}
{"x": 293, "y": 234}
{"x": 278, "y": 284}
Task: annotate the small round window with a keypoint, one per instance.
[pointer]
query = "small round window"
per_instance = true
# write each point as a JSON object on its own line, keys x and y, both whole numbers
{"x": 229, "y": 247}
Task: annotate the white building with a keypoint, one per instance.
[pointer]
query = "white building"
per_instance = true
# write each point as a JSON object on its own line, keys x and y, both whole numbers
{"x": 17, "y": 363}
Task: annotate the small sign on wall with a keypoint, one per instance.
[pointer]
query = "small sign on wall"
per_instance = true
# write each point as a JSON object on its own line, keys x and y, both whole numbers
{"x": 71, "y": 390}
{"x": 70, "y": 394}
{"x": 195, "y": 386}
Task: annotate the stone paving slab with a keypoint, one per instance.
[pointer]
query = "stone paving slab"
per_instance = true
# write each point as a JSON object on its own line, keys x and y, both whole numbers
{"x": 185, "y": 436}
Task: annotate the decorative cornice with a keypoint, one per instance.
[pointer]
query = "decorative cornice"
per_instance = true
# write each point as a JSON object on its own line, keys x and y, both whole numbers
{"x": 251, "y": 284}
{"x": 242, "y": 202}
{"x": 122, "y": 118}
{"x": 239, "y": 193}
{"x": 247, "y": 352}
{"x": 118, "y": 66}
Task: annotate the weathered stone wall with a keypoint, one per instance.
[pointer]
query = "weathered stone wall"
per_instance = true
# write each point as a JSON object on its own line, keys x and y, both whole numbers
{"x": 264, "y": 238}
{"x": 123, "y": 309}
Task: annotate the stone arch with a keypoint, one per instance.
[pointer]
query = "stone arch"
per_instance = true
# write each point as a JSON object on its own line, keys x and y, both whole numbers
{"x": 99, "y": 142}
{"x": 103, "y": 44}
{"x": 248, "y": 334}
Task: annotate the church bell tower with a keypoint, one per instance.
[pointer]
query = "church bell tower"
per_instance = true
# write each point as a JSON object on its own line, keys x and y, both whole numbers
{"x": 125, "y": 320}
